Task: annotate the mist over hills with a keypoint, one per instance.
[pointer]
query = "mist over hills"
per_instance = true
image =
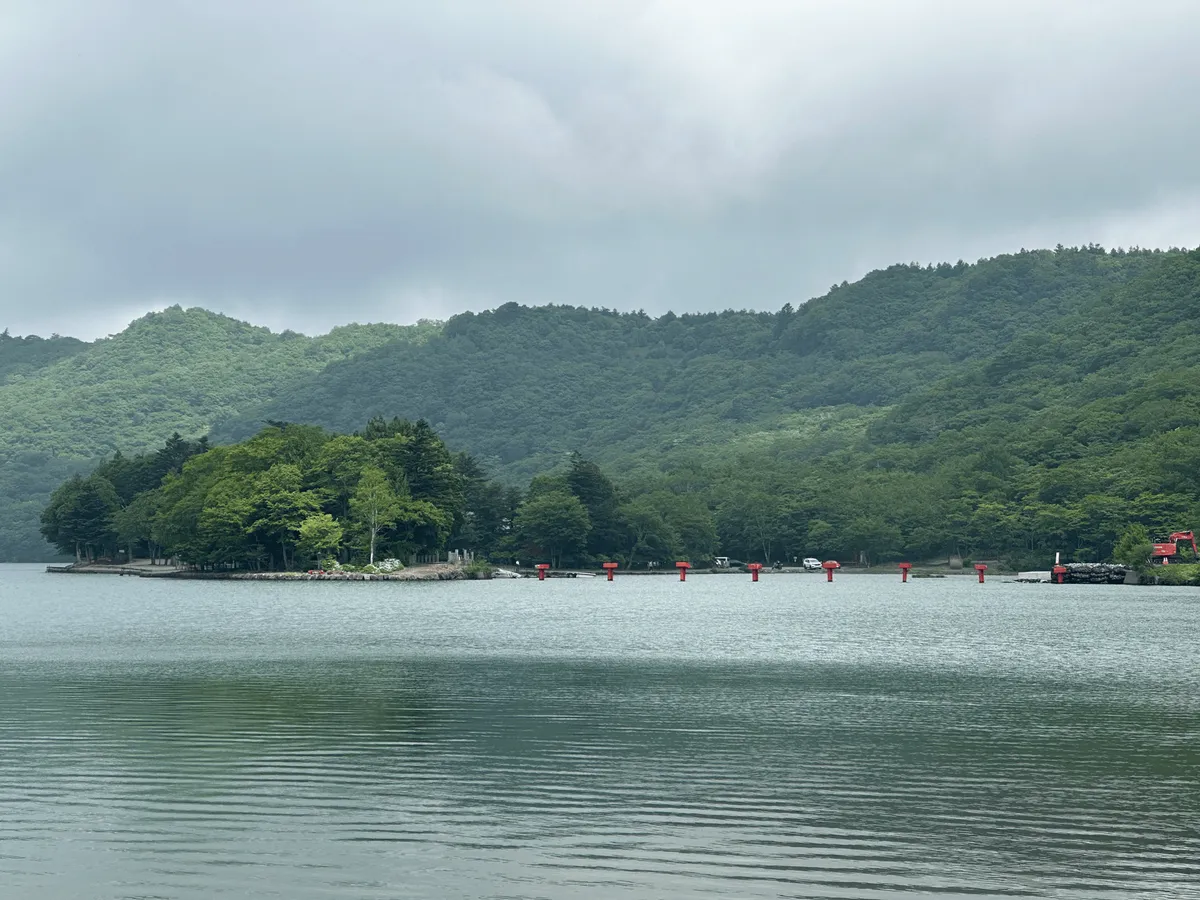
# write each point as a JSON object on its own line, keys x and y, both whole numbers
{"x": 1032, "y": 381}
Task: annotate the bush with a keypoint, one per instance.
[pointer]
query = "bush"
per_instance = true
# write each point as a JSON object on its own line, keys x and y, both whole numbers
{"x": 1133, "y": 548}
{"x": 479, "y": 570}
{"x": 1175, "y": 575}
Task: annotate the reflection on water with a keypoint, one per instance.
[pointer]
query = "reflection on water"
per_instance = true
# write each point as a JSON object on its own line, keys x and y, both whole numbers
{"x": 392, "y": 755}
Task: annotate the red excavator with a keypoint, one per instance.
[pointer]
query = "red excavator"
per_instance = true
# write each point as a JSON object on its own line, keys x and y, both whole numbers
{"x": 1168, "y": 550}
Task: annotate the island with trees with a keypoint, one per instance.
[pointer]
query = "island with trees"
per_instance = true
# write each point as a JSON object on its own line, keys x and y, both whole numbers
{"x": 296, "y": 497}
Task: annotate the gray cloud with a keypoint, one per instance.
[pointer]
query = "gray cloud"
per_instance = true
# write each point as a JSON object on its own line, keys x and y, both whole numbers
{"x": 303, "y": 164}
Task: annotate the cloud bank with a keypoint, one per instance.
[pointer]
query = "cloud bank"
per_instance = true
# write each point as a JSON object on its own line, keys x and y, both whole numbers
{"x": 307, "y": 163}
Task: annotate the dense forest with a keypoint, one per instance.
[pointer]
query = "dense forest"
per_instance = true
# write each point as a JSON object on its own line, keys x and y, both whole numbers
{"x": 23, "y": 355}
{"x": 1036, "y": 402}
{"x": 523, "y": 387}
{"x": 291, "y": 495}
{"x": 66, "y": 404}
{"x": 296, "y": 496}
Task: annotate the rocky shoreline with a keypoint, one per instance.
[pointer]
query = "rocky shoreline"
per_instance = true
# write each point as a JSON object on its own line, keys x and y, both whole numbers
{"x": 436, "y": 572}
{"x": 433, "y": 572}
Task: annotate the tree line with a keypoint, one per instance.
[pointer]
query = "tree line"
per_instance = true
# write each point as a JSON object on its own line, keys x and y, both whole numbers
{"x": 297, "y": 496}
{"x": 288, "y": 497}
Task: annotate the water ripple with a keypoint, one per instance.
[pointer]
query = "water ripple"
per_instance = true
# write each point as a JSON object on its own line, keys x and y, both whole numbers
{"x": 815, "y": 768}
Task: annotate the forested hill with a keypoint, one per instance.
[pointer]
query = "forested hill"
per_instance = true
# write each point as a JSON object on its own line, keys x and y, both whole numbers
{"x": 1039, "y": 402}
{"x": 26, "y": 355}
{"x": 174, "y": 371}
{"x": 1036, "y": 401}
{"x": 522, "y": 387}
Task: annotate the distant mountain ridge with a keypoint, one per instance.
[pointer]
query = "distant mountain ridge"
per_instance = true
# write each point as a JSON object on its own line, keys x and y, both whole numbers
{"x": 21, "y": 356}
{"x": 1018, "y": 364}
{"x": 523, "y": 386}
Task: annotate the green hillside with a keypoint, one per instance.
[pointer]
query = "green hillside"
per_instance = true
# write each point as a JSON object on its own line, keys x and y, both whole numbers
{"x": 23, "y": 356}
{"x": 522, "y": 387}
{"x": 1038, "y": 401}
{"x": 174, "y": 371}
{"x": 1034, "y": 402}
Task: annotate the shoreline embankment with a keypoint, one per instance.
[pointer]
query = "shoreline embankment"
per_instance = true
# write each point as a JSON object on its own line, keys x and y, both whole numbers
{"x": 435, "y": 572}
{"x": 430, "y": 572}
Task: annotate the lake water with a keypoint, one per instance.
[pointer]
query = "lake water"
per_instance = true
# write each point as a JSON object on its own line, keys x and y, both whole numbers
{"x": 578, "y": 739}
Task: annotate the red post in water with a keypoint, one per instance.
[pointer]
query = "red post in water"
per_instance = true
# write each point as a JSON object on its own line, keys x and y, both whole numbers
{"x": 980, "y": 568}
{"x": 609, "y": 568}
{"x": 754, "y": 568}
{"x": 829, "y": 565}
{"x": 683, "y": 567}
{"x": 904, "y": 567}
{"x": 542, "y": 567}
{"x": 1059, "y": 572}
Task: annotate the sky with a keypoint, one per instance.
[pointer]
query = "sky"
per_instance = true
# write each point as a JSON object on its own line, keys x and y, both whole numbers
{"x": 303, "y": 164}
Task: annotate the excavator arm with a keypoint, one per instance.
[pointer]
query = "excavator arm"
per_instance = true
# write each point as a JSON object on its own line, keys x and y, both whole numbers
{"x": 1189, "y": 536}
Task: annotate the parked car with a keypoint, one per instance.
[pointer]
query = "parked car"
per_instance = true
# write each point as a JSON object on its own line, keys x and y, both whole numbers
{"x": 810, "y": 563}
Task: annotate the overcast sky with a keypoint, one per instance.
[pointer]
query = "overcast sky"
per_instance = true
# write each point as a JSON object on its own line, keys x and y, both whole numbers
{"x": 304, "y": 163}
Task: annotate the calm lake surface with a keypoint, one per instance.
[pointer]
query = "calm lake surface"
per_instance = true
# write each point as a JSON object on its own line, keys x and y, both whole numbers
{"x": 641, "y": 739}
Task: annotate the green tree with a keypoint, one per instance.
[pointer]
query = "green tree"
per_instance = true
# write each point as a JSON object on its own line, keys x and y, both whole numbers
{"x": 692, "y": 521}
{"x": 489, "y": 510}
{"x": 180, "y": 503}
{"x": 419, "y": 526}
{"x": 339, "y": 467}
{"x": 224, "y": 527}
{"x": 822, "y": 538}
{"x": 133, "y": 525}
{"x": 749, "y": 523}
{"x": 279, "y": 506}
{"x": 320, "y": 536}
{"x": 650, "y": 537}
{"x": 1134, "y": 547}
{"x": 58, "y": 525}
{"x": 608, "y": 534}
{"x": 373, "y": 506}
{"x": 79, "y": 518}
{"x": 555, "y": 524}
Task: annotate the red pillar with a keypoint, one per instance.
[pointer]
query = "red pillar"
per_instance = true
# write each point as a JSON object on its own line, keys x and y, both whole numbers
{"x": 829, "y": 565}
{"x": 904, "y": 567}
{"x": 1059, "y": 572}
{"x": 609, "y": 568}
{"x": 754, "y": 568}
{"x": 542, "y": 567}
{"x": 980, "y": 568}
{"x": 683, "y": 567}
